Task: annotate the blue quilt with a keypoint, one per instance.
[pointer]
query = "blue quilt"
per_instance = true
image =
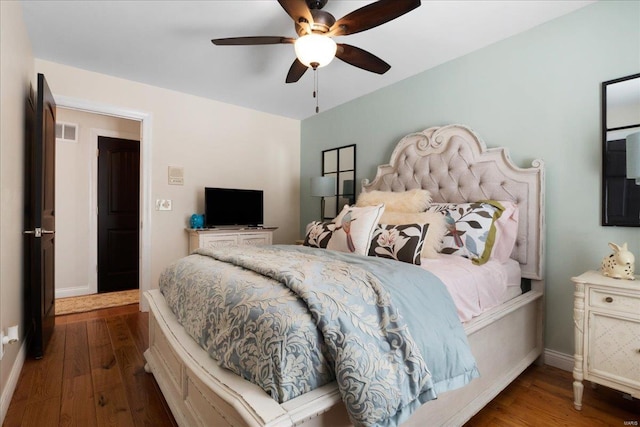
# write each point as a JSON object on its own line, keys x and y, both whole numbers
{"x": 292, "y": 318}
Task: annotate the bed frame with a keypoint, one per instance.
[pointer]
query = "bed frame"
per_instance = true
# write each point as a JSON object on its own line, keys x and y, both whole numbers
{"x": 454, "y": 164}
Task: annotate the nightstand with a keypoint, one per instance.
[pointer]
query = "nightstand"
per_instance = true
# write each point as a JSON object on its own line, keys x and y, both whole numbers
{"x": 606, "y": 316}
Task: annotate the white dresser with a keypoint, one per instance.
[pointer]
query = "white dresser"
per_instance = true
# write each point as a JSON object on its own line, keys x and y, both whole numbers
{"x": 606, "y": 316}
{"x": 216, "y": 237}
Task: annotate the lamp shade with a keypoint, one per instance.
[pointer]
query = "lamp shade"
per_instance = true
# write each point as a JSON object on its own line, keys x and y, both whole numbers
{"x": 323, "y": 186}
{"x": 315, "y": 49}
{"x": 633, "y": 157}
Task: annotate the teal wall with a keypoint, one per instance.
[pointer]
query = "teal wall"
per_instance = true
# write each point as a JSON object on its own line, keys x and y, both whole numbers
{"x": 537, "y": 93}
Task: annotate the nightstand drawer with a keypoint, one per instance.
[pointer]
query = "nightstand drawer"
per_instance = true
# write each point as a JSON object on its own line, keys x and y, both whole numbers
{"x": 615, "y": 301}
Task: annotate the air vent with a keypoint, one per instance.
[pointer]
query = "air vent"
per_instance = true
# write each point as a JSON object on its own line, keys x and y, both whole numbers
{"x": 66, "y": 132}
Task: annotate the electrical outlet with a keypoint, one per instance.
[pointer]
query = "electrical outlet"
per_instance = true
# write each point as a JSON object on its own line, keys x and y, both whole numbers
{"x": 10, "y": 338}
{"x": 163, "y": 204}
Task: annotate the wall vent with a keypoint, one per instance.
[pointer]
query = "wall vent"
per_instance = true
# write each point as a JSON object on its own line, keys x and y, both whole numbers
{"x": 66, "y": 132}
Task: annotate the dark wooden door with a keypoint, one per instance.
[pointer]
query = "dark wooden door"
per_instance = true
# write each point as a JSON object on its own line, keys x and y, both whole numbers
{"x": 118, "y": 213}
{"x": 40, "y": 219}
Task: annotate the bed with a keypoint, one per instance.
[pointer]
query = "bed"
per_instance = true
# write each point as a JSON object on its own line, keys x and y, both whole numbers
{"x": 455, "y": 166}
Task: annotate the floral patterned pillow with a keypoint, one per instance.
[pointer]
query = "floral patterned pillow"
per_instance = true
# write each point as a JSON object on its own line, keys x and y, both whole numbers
{"x": 399, "y": 242}
{"x": 470, "y": 228}
{"x": 319, "y": 234}
{"x": 437, "y": 228}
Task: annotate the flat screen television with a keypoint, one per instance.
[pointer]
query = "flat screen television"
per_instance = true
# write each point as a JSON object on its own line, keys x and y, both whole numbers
{"x": 230, "y": 206}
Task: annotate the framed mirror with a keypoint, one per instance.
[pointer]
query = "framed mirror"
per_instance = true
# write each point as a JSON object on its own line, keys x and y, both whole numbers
{"x": 340, "y": 163}
{"x": 620, "y": 117}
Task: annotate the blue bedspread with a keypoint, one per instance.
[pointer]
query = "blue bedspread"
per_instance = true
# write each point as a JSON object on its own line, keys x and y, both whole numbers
{"x": 291, "y": 319}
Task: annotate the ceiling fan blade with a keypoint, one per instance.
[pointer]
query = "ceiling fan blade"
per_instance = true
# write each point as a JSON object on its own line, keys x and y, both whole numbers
{"x": 296, "y": 71}
{"x": 246, "y": 41}
{"x": 361, "y": 58}
{"x": 297, "y": 10}
{"x": 371, "y": 16}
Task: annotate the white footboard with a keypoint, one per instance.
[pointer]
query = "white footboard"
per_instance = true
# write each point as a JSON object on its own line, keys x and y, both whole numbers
{"x": 504, "y": 341}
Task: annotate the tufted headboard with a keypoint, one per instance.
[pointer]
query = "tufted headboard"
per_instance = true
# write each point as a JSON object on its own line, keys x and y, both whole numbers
{"x": 454, "y": 164}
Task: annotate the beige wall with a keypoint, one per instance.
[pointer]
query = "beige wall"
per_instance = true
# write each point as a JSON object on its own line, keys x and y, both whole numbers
{"x": 76, "y": 168}
{"x": 16, "y": 75}
{"x": 217, "y": 144}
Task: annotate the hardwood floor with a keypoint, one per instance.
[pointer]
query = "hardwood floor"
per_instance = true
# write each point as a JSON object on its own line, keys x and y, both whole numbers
{"x": 92, "y": 375}
{"x": 543, "y": 396}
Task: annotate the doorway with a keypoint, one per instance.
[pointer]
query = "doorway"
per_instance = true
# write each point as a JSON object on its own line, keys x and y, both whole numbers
{"x": 144, "y": 121}
{"x": 77, "y": 197}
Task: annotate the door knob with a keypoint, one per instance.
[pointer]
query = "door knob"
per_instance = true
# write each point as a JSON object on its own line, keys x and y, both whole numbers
{"x": 38, "y": 232}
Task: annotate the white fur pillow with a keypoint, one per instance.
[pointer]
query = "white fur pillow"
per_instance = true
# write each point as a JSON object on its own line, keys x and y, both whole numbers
{"x": 435, "y": 233}
{"x": 406, "y": 201}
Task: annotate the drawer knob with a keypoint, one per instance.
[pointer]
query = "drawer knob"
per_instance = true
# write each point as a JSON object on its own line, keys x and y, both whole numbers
{"x": 608, "y": 299}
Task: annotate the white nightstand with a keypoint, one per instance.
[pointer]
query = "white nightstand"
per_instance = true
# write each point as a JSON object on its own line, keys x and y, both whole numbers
{"x": 606, "y": 316}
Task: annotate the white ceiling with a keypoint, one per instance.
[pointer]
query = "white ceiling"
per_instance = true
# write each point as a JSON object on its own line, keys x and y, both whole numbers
{"x": 168, "y": 44}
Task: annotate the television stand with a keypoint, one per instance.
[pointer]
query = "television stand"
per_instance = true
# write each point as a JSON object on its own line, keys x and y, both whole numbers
{"x": 223, "y": 236}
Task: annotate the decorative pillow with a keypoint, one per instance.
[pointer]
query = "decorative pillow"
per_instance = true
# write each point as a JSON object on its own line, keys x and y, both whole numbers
{"x": 406, "y": 201}
{"x": 318, "y": 234}
{"x": 506, "y": 232}
{"x": 399, "y": 242}
{"x": 435, "y": 234}
{"x": 470, "y": 228}
{"x": 353, "y": 229}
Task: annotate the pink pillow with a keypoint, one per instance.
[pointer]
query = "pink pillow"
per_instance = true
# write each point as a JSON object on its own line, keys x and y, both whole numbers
{"x": 506, "y": 232}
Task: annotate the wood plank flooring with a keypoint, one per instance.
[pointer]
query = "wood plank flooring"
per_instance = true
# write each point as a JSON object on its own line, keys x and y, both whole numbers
{"x": 92, "y": 375}
{"x": 543, "y": 396}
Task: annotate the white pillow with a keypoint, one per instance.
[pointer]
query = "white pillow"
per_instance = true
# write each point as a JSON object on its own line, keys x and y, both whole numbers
{"x": 354, "y": 229}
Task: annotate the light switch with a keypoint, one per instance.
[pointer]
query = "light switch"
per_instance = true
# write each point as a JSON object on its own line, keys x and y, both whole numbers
{"x": 163, "y": 204}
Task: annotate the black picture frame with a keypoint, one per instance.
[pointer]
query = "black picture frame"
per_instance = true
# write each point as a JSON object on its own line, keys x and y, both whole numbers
{"x": 620, "y": 195}
{"x": 340, "y": 163}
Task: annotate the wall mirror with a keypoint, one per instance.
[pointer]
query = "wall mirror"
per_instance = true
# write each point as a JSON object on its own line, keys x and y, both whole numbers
{"x": 340, "y": 163}
{"x": 620, "y": 117}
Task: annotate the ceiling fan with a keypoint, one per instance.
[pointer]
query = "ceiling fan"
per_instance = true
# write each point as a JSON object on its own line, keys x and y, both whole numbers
{"x": 315, "y": 27}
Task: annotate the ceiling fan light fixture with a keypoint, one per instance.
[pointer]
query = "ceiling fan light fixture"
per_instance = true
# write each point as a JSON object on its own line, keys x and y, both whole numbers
{"x": 315, "y": 49}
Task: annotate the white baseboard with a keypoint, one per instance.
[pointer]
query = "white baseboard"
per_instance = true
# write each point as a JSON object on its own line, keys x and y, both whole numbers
{"x": 558, "y": 360}
{"x": 12, "y": 382}
{"x": 73, "y": 292}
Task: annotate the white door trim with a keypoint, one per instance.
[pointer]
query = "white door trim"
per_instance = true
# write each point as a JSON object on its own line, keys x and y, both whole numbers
{"x": 145, "y": 120}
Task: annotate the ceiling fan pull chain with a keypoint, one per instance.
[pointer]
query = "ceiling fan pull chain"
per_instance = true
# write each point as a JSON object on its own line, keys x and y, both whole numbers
{"x": 316, "y": 91}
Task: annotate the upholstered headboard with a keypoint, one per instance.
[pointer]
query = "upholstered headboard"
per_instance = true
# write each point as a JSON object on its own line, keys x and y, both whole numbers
{"x": 454, "y": 164}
